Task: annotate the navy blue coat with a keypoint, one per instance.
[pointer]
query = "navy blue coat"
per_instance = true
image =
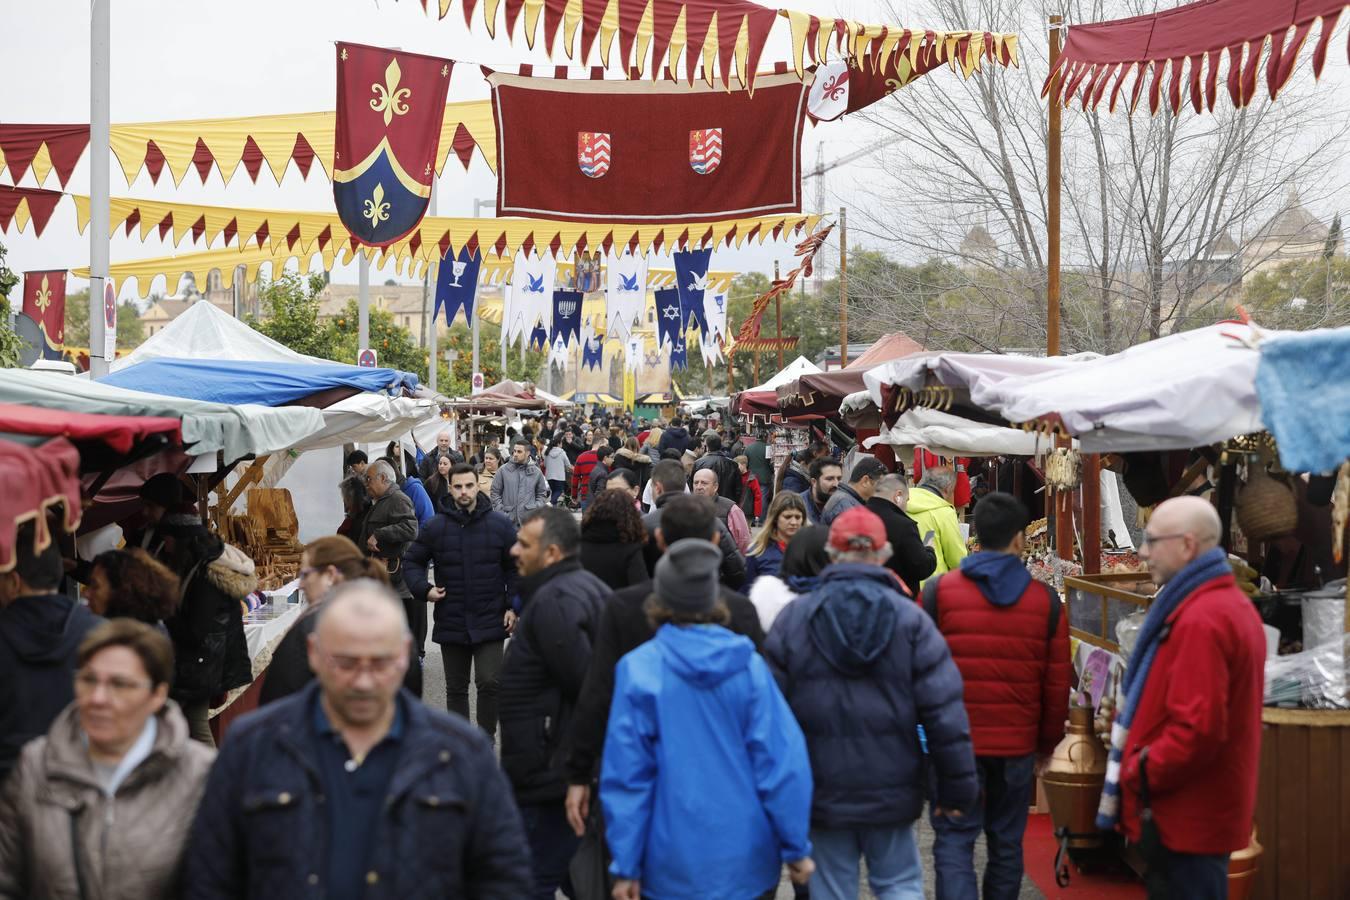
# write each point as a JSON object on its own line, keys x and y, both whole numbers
{"x": 862, "y": 667}
{"x": 472, "y": 553}
{"x": 448, "y": 828}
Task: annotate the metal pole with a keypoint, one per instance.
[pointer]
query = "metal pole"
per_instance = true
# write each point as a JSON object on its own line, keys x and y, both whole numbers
{"x": 1052, "y": 164}
{"x": 429, "y": 302}
{"x": 478, "y": 205}
{"x": 100, "y": 96}
{"x": 778, "y": 312}
{"x": 363, "y": 302}
{"x": 843, "y": 286}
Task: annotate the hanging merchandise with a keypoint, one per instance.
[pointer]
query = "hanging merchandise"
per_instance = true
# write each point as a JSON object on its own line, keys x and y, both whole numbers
{"x": 668, "y": 316}
{"x": 625, "y": 292}
{"x": 691, "y": 277}
{"x": 385, "y": 145}
{"x": 679, "y": 355}
{"x": 663, "y": 151}
{"x": 44, "y": 301}
{"x": 592, "y": 346}
{"x": 457, "y": 285}
{"x": 539, "y": 338}
{"x": 566, "y": 316}
{"x": 529, "y": 296}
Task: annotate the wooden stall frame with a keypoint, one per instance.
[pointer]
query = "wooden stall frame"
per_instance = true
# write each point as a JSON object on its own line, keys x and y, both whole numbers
{"x": 1102, "y": 587}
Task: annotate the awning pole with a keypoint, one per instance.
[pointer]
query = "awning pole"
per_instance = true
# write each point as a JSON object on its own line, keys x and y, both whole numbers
{"x": 100, "y": 90}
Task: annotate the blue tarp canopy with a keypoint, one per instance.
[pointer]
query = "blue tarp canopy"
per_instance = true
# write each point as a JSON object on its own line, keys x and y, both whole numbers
{"x": 267, "y": 384}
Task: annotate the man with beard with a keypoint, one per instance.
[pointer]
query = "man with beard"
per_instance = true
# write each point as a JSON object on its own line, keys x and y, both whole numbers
{"x": 332, "y": 792}
{"x": 519, "y": 487}
{"x": 427, "y": 467}
{"x": 470, "y": 546}
{"x": 825, "y": 475}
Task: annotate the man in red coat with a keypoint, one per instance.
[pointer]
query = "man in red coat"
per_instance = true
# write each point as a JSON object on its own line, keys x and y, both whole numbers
{"x": 1187, "y": 740}
{"x": 1010, "y": 639}
{"x": 582, "y": 468}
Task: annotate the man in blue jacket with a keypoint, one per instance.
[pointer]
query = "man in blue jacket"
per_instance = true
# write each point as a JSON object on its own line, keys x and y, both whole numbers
{"x": 352, "y": 789}
{"x": 863, "y": 667}
{"x": 705, "y": 783}
{"x": 470, "y": 546}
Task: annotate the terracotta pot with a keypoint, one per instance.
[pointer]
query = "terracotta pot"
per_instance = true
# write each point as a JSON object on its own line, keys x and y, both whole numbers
{"x": 1242, "y": 868}
{"x": 1073, "y": 780}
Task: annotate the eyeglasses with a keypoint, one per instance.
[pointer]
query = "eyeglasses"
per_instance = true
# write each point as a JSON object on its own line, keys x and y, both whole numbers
{"x": 87, "y": 683}
{"x": 1156, "y": 538}
{"x": 351, "y": 665}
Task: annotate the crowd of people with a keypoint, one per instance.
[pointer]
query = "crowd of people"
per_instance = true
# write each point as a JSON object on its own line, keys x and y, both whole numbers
{"x": 667, "y": 702}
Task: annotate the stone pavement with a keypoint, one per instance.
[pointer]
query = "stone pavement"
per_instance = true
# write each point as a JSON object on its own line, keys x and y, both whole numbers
{"x": 433, "y": 678}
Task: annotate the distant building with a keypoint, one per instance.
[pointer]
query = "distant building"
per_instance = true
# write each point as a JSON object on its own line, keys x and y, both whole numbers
{"x": 1292, "y": 233}
{"x": 978, "y": 249}
{"x": 163, "y": 311}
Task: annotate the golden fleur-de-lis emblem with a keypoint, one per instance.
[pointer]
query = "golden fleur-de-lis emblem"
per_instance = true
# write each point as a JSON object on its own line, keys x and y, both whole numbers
{"x": 377, "y": 210}
{"x": 445, "y": 70}
{"x": 391, "y": 99}
{"x": 344, "y": 54}
{"x": 44, "y": 296}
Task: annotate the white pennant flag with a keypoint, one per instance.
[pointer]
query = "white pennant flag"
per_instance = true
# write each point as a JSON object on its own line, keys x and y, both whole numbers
{"x": 709, "y": 349}
{"x": 558, "y": 356}
{"x": 633, "y": 353}
{"x": 715, "y": 313}
{"x": 625, "y": 292}
{"x": 529, "y": 296}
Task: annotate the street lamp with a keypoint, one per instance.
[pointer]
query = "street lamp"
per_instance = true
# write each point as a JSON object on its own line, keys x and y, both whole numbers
{"x": 477, "y": 207}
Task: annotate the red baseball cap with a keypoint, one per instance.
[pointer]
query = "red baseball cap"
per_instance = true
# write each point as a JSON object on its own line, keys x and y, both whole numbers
{"x": 858, "y": 530}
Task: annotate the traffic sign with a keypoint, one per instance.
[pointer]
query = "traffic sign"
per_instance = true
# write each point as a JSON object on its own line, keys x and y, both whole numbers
{"x": 478, "y": 382}
{"x": 366, "y": 358}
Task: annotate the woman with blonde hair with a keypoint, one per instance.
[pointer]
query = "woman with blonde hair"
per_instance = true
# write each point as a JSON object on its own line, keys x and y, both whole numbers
{"x": 324, "y": 564}
{"x": 786, "y": 515}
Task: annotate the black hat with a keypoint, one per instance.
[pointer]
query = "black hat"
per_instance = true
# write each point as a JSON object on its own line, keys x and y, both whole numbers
{"x": 163, "y": 490}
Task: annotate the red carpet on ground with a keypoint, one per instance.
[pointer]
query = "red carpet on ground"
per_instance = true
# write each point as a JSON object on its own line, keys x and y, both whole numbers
{"x": 1038, "y": 853}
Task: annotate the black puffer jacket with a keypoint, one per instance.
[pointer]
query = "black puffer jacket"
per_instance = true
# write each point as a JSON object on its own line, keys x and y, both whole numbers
{"x": 447, "y": 828}
{"x": 210, "y": 652}
{"x": 728, "y": 474}
{"x": 472, "y": 555}
{"x": 542, "y": 675}
{"x": 39, "y": 637}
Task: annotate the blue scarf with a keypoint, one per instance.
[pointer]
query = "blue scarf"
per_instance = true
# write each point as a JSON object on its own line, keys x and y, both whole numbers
{"x": 1207, "y": 566}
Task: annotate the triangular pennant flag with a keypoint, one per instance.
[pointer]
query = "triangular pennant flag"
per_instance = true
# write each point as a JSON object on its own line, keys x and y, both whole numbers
{"x": 528, "y": 299}
{"x": 457, "y": 285}
{"x": 539, "y": 338}
{"x": 558, "y": 356}
{"x": 625, "y": 292}
{"x": 679, "y": 357}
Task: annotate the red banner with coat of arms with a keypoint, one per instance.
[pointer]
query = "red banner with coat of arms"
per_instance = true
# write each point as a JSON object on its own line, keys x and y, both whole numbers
{"x": 44, "y": 301}
{"x": 389, "y": 110}
{"x": 637, "y": 151}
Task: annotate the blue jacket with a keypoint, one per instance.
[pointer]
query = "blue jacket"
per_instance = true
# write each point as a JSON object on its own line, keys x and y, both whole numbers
{"x": 766, "y": 563}
{"x": 705, "y": 782}
{"x": 812, "y": 511}
{"x": 862, "y": 667}
{"x": 472, "y": 553}
{"x": 421, "y": 500}
{"x": 448, "y": 826}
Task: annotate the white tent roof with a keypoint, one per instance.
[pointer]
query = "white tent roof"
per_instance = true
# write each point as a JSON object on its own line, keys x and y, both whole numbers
{"x": 205, "y": 332}
{"x": 238, "y": 430}
{"x": 973, "y": 371}
{"x": 1184, "y": 390}
{"x": 791, "y": 372}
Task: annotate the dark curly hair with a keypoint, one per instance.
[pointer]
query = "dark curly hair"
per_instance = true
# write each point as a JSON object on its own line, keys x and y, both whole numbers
{"x": 616, "y": 509}
{"x": 142, "y": 587}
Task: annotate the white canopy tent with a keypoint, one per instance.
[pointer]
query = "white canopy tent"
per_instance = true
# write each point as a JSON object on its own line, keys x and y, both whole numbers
{"x": 789, "y": 373}
{"x": 205, "y": 332}
{"x": 975, "y": 372}
{"x": 948, "y": 435}
{"x": 1184, "y": 390}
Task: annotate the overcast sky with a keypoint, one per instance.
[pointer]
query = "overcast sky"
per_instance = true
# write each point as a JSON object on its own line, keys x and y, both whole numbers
{"x": 256, "y": 57}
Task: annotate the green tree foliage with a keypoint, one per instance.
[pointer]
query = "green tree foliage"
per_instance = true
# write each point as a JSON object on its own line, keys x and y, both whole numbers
{"x": 1300, "y": 294}
{"x": 394, "y": 345}
{"x": 9, "y": 341}
{"x": 291, "y": 315}
{"x": 130, "y": 328}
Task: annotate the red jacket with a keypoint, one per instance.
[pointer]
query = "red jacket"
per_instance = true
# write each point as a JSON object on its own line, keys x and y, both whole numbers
{"x": 752, "y": 497}
{"x": 1016, "y": 676}
{"x": 581, "y": 474}
{"x": 1200, "y": 717}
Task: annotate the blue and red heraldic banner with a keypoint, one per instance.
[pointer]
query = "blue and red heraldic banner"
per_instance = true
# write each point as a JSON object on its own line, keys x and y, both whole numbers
{"x": 641, "y": 151}
{"x": 389, "y": 110}
{"x": 44, "y": 301}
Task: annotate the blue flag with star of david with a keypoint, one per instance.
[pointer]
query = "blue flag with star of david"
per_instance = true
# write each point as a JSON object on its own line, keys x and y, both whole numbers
{"x": 679, "y": 355}
{"x": 668, "y": 316}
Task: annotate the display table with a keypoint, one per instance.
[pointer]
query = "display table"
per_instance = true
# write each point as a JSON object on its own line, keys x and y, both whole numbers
{"x": 263, "y": 630}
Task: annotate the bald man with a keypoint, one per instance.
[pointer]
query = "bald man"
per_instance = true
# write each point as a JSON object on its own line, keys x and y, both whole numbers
{"x": 1187, "y": 740}
{"x": 352, "y": 788}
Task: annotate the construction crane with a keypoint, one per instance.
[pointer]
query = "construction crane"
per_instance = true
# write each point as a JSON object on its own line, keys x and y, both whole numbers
{"x": 818, "y": 173}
